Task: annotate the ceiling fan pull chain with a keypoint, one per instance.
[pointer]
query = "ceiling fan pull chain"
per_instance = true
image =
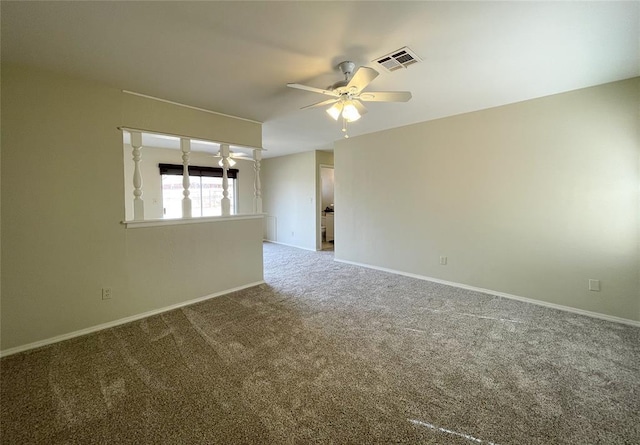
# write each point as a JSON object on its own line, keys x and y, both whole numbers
{"x": 344, "y": 127}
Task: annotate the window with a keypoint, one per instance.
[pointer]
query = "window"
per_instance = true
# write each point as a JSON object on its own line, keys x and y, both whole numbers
{"x": 205, "y": 187}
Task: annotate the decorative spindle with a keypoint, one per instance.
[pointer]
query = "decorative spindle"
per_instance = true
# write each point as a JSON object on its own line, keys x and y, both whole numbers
{"x": 257, "y": 197}
{"x": 138, "y": 203}
{"x": 226, "y": 202}
{"x": 185, "y": 147}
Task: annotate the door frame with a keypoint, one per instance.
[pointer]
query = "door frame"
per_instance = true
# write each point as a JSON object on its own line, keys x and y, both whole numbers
{"x": 319, "y": 207}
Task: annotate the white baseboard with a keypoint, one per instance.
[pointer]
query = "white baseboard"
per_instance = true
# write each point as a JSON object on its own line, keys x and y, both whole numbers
{"x": 290, "y": 245}
{"x": 500, "y": 294}
{"x": 121, "y": 321}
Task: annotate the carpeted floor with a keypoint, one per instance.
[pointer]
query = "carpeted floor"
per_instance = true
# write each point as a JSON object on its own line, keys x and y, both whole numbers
{"x": 332, "y": 353}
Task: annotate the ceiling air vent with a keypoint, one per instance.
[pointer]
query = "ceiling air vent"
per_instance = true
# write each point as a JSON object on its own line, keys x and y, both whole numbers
{"x": 398, "y": 59}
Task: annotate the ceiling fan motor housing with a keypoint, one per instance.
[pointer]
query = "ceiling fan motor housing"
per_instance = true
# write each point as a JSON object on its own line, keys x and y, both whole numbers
{"x": 347, "y": 67}
{"x": 337, "y": 85}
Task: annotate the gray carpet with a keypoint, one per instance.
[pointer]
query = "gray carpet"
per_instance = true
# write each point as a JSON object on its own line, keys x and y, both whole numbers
{"x": 331, "y": 353}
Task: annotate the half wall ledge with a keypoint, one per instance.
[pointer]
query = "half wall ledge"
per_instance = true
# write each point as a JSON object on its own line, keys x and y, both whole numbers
{"x": 178, "y": 221}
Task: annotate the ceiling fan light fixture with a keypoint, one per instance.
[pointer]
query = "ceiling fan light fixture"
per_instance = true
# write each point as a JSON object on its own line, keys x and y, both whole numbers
{"x": 335, "y": 111}
{"x": 231, "y": 162}
{"x": 350, "y": 112}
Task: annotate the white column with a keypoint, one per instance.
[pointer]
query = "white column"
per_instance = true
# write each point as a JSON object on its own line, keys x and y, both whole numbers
{"x": 226, "y": 202}
{"x": 257, "y": 187}
{"x": 185, "y": 147}
{"x": 138, "y": 203}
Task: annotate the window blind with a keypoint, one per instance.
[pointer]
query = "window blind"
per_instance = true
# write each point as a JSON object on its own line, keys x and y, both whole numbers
{"x": 194, "y": 170}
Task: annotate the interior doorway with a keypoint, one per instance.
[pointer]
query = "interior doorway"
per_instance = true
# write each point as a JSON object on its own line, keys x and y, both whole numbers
{"x": 327, "y": 213}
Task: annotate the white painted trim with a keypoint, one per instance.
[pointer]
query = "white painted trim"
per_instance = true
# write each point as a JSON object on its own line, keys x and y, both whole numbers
{"x": 178, "y": 221}
{"x": 289, "y": 245}
{"x": 501, "y": 294}
{"x": 133, "y": 93}
{"x": 319, "y": 208}
{"x": 121, "y": 321}
{"x": 184, "y": 136}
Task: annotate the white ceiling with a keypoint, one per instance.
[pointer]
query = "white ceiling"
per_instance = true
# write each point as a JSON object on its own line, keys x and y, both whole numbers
{"x": 237, "y": 57}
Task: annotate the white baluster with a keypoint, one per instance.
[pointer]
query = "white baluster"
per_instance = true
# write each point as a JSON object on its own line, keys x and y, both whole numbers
{"x": 226, "y": 202}
{"x": 185, "y": 147}
{"x": 138, "y": 203}
{"x": 257, "y": 197}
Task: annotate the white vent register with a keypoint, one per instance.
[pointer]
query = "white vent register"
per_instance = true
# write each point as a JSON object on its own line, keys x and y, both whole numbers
{"x": 398, "y": 59}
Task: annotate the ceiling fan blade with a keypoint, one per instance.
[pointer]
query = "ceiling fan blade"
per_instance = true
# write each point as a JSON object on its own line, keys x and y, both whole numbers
{"x": 385, "y": 96}
{"x": 312, "y": 89}
{"x": 319, "y": 104}
{"x": 362, "y": 78}
{"x": 361, "y": 108}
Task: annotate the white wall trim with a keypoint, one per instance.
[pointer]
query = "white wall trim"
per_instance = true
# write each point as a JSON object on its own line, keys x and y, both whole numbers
{"x": 289, "y": 245}
{"x": 192, "y": 138}
{"x": 319, "y": 208}
{"x": 133, "y": 93}
{"x": 121, "y": 321}
{"x": 501, "y": 294}
{"x": 195, "y": 220}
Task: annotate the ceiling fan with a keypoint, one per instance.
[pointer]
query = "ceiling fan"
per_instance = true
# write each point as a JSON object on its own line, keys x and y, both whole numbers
{"x": 232, "y": 155}
{"x": 346, "y": 95}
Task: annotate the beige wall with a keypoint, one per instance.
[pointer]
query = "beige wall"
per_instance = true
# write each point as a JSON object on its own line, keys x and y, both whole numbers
{"x": 168, "y": 265}
{"x": 326, "y": 184}
{"x": 289, "y": 198}
{"x": 531, "y": 199}
{"x": 62, "y": 240}
{"x": 148, "y": 114}
{"x": 292, "y": 197}
{"x": 324, "y": 157}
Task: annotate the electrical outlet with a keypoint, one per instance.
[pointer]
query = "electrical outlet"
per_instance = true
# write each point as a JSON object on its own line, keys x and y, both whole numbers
{"x": 594, "y": 285}
{"x": 443, "y": 260}
{"x": 106, "y": 293}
